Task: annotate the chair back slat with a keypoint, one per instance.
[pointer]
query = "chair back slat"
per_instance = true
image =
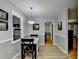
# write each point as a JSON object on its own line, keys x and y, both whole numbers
{"x": 27, "y": 40}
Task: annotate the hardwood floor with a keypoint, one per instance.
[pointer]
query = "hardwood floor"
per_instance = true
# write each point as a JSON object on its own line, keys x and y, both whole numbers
{"x": 48, "y": 52}
{"x": 49, "y": 40}
{"x": 73, "y": 52}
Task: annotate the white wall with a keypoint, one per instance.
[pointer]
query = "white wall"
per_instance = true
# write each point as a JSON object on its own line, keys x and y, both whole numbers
{"x": 7, "y": 49}
{"x": 61, "y": 36}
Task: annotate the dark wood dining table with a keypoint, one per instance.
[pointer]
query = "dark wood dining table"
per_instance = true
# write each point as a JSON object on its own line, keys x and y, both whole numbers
{"x": 32, "y": 44}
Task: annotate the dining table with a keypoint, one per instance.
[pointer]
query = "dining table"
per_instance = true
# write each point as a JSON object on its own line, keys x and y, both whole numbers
{"x": 35, "y": 41}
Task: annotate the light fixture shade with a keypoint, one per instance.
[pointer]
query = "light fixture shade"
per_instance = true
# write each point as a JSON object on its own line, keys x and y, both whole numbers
{"x": 31, "y": 22}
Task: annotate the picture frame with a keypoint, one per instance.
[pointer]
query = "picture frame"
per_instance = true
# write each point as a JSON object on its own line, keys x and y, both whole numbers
{"x": 3, "y": 26}
{"x": 3, "y": 20}
{"x": 60, "y": 26}
{"x": 3, "y": 15}
{"x": 35, "y": 26}
{"x": 16, "y": 27}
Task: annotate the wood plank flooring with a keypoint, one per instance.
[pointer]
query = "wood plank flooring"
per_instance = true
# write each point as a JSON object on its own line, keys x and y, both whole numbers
{"x": 49, "y": 40}
{"x": 48, "y": 52}
{"x": 73, "y": 52}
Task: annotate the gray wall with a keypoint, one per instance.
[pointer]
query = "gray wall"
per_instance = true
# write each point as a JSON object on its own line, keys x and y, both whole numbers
{"x": 60, "y": 41}
{"x": 61, "y": 36}
{"x": 8, "y": 6}
{"x": 7, "y": 49}
{"x": 40, "y": 31}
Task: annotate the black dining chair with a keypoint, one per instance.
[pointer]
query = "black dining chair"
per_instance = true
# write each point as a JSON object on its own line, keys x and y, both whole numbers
{"x": 27, "y": 47}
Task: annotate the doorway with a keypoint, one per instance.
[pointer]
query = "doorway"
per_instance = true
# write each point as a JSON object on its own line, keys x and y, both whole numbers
{"x": 48, "y": 33}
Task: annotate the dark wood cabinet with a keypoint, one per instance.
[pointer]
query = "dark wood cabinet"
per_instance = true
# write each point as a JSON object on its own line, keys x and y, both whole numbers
{"x": 70, "y": 39}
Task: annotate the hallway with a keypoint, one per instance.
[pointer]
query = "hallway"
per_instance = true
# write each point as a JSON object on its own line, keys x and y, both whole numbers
{"x": 48, "y": 52}
{"x": 49, "y": 40}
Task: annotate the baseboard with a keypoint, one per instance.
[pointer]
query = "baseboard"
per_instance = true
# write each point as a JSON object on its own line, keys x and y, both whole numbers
{"x": 4, "y": 41}
{"x": 13, "y": 42}
{"x": 14, "y": 57}
{"x": 61, "y": 49}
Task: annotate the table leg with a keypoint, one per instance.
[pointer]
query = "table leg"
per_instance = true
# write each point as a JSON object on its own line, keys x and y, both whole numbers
{"x": 35, "y": 52}
{"x": 22, "y": 52}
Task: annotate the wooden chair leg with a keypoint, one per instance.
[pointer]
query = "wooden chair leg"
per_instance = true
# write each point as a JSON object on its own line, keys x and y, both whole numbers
{"x": 22, "y": 53}
{"x": 35, "y": 52}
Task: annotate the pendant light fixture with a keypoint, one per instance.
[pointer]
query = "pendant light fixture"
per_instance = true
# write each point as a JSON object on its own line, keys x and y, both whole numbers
{"x": 31, "y": 21}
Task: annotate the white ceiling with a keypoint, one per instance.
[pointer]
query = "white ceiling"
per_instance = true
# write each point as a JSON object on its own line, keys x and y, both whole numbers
{"x": 44, "y": 7}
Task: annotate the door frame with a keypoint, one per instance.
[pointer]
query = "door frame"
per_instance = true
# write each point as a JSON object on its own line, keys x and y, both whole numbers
{"x": 52, "y": 34}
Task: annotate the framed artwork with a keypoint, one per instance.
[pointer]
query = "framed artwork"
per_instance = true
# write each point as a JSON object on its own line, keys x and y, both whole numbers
{"x": 16, "y": 28}
{"x": 3, "y": 15}
{"x": 35, "y": 26}
{"x": 3, "y": 26}
{"x": 60, "y": 26}
{"x": 3, "y": 20}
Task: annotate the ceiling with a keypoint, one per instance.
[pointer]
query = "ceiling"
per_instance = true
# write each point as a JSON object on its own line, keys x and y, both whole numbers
{"x": 43, "y": 8}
